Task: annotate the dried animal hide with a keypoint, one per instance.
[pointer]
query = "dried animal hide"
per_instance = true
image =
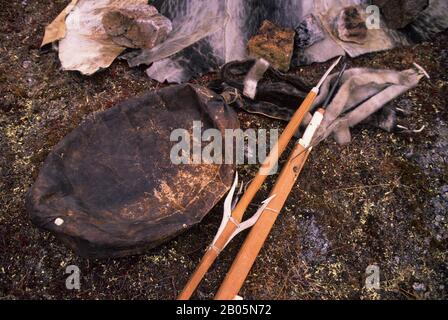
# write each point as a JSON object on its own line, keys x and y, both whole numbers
{"x": 231, "y": 23}
{"x": 84, "y": 43}
{"x": 57, "y": 30}
{"x": 429, "y": 22}
{"x": 362, "y": 93}
{"x": 346, "y": 34}
{"x": 110, "y": 188}
{"x": 220, "y": 30}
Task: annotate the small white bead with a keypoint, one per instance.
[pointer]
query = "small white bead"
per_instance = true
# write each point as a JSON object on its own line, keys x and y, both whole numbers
{"x": 58, "y": 221}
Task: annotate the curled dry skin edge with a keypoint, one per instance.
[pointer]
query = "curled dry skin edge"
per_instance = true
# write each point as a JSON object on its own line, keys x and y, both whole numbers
{"x": 56, "y": 30}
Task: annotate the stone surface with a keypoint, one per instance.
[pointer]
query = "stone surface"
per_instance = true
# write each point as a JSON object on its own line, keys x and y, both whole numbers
{"x": 137, "y": 29}
{"x": 350, "y": 25}
{"x": 274, "y": 44}
{"x": 308, "y": 32}
{"x": 399, "y": 13}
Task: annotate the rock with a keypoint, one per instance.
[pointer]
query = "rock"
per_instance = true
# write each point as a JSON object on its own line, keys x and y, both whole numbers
{"x": 405, "y": 106}
{"x": 439, "y": 203}
{"x": 274, "y": 44}
{"x": 386, "y": 119}
{"x": 137, "y": 29}
{"x": 351, "y": 25}
{"x": 308, "y": 32}
{"x": 399, "y": 13}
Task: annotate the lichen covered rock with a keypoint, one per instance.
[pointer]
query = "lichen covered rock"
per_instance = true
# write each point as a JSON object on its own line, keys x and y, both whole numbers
{"x": 274, "y": 44}
{"x": 144, "y": 28}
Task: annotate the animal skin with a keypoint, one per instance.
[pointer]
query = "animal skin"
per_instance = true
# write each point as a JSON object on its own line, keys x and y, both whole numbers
{"x": 363, "y": 96}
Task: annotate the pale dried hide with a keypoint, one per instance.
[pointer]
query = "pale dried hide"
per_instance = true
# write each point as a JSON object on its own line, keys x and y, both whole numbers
{"x": 110, "y": 187}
